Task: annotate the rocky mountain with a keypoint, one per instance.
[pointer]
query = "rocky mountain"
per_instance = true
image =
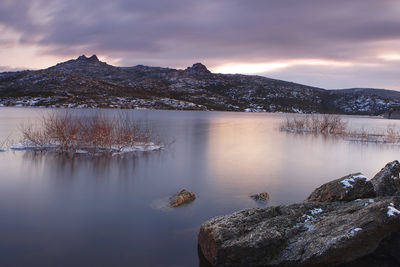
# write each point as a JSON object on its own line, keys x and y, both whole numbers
{"x": 88, "y": 82}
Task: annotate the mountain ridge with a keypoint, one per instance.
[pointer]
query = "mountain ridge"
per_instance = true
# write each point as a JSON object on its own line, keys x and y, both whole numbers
{"x": 89, "y": 82}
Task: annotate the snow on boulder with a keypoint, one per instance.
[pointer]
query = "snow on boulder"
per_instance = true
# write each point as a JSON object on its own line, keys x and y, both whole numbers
{"x": 327, "y": 229}
{"x": 347, "y": 188}
{"x": 304, "y": 234}
{"x": 392, "y": 211}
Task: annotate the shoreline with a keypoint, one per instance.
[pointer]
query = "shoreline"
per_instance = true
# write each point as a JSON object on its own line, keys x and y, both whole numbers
{"x": 193, "y": 110}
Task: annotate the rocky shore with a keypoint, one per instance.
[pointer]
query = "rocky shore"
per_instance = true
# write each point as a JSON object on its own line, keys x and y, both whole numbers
{"x": 351, "y": 221}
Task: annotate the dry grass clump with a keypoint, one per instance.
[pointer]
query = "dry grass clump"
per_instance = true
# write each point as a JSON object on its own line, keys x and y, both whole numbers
{"x": 66, "y": 132}
{"x": 319, "y": 124}
{"x": 390, "y": 135}
{"x": 334, "y": 125}
{"x": 2, "y": 145}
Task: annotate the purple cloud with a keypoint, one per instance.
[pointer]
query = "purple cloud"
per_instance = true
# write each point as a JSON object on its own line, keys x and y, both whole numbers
{"x": 178, "y": 33}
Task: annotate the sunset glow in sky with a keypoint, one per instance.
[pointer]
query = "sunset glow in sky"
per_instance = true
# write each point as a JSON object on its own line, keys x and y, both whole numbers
{"x": 324, "y": 43}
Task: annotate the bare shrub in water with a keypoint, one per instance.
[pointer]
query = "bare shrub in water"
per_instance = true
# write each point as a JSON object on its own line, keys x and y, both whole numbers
{"x": 322, "y": 124}
{"x": 392, "y": 134}
{"x": 3, "y": 143}
{"x": 336, "y": 126}
{"x": 94, "y": 133}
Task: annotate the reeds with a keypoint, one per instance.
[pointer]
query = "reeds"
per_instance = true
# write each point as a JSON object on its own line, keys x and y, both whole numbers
{"x": 323, "y": 124}
{"x": 335, "y": 125}
{"x": 389, "y": 135}
{"x": 67, "y": 132}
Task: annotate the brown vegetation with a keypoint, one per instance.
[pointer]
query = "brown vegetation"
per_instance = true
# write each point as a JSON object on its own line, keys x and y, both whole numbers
{"x": 335, "y": 125}
{"x": 324, "y": 124}
{"x": 390, "y": 135}
{"x": 67, "y": 132}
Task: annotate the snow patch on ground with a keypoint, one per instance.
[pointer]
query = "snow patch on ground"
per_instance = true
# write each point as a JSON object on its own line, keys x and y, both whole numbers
{"x": 369, "y": 202}
{"x": 354, "y": 231}
{"x": 348, "y": 182}
{"x": 81, "y": 151}
{"x": 309, "y": 219}
{"x": 28, "y": 145}
{"x": 360, "y": 176}
{"x": 316, "y": 211}
{"x": 392, "y": 211}
{"x": 307, "y": 222}
{"x": 141, "y": 147}
{"x": 296, "y": 130}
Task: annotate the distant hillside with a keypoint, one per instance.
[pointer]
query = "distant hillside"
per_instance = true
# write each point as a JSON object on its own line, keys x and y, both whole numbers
{"x": 88, "y": 82}
{"x": 371, "y": 91}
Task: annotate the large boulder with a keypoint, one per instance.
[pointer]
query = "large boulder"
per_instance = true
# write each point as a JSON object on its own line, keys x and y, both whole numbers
{"x": 347, "y": 188}
{"x": 386, "y": 255}
{"x": 387, "y": 182}
{"x": 341, "y": 222}
{"x": 306, "y": 234}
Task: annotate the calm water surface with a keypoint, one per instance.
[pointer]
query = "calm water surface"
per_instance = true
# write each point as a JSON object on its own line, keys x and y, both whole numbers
{"x": 102, "y": 211}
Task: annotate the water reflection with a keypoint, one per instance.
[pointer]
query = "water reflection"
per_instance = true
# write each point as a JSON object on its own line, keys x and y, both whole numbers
{"x": 67, "y": 165}
{"x": 81, "y": 210}
{"x": 237, "y": 156}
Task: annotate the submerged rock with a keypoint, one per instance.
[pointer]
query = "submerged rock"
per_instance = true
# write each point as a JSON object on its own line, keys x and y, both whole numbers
{"x": 387, "y": 182}
{"x": 262, "y": 197}
{"x": 326, "y": 230}
{"x": 182, "y": 197}
{"x": 347, "y": 188}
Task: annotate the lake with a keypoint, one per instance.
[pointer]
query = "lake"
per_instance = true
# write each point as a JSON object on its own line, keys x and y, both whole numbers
{"x": 101, "y": 211}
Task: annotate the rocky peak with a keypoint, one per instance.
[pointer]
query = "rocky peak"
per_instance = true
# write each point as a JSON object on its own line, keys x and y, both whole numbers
{"x": 80, "y": 63}
{"x": 197, "y": 68}
{"x": 83, "y": 58}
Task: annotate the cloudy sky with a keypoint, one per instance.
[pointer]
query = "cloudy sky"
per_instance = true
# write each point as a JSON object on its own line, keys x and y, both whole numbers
{"x": 325, "y": 43}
